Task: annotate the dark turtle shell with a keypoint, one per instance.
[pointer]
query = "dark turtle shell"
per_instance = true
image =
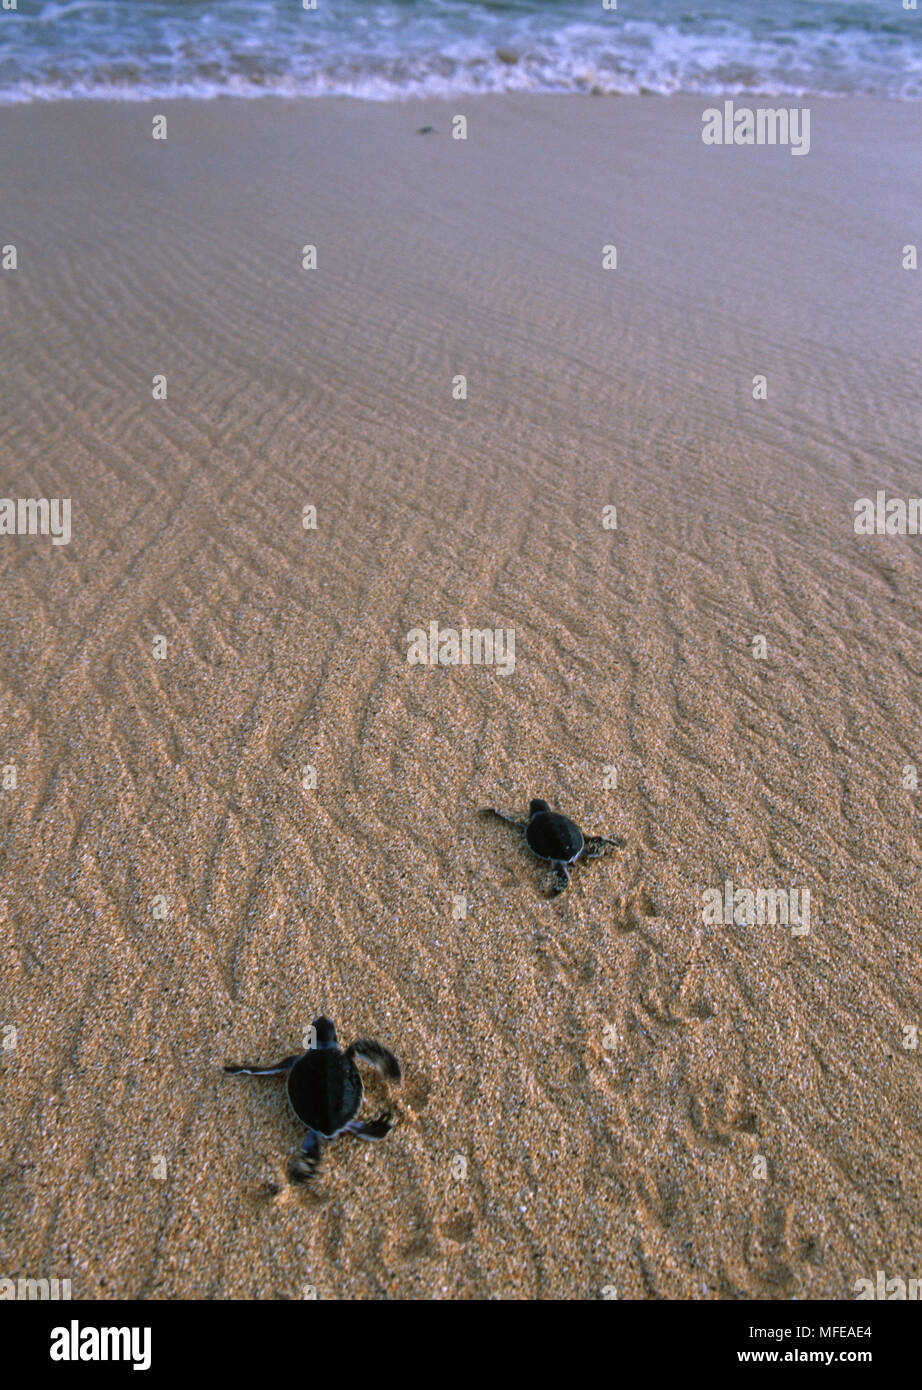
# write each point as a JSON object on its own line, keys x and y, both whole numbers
{"x": 325, "y": 1090}
{"x": 552, "y": 836}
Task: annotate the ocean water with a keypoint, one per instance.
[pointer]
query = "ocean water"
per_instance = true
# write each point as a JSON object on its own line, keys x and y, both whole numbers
{"x": 380, "y": 49}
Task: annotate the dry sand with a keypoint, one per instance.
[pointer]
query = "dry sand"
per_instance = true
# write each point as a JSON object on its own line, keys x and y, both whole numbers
{"x": 589, "y": 1165}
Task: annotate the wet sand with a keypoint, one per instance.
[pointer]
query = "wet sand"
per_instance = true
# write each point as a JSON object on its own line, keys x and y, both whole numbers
{"x": 590, "y": 1083}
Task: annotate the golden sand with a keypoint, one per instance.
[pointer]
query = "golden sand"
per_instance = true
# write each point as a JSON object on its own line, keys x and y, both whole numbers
{"x": 592, "y": 1082}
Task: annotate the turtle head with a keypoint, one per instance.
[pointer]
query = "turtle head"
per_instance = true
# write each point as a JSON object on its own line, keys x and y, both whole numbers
{"x": 537, "y": 808}
{"x": 324, "y": 1032}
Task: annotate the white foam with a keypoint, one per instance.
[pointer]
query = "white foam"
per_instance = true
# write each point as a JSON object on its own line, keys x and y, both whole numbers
{"x": 157, "y": 49}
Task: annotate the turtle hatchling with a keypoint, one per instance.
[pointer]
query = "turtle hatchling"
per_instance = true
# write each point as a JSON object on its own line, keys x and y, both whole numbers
{"x": 556, "y": 838}
{"x": 325, "y": 1092}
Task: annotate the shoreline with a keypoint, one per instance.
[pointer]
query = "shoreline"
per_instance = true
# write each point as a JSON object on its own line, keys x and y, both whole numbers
{"x": 442, "y": 98}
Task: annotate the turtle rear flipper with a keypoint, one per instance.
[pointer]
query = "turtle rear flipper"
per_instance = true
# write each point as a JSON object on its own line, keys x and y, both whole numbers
{"x": 379, "y": 1128}
{"x": 560, "y": 882}
{"x": 376, "y": 1056}
{"x": 254, "y": 1069}
{"x": 304, "y": 1164}
{"x": 596, "y": 845}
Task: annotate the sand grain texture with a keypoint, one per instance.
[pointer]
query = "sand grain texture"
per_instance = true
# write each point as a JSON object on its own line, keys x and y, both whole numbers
{"x": 588, "y": 1167}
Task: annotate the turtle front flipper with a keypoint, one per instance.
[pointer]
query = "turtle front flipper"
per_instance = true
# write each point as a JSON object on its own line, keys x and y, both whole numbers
{"x": 304, "y": 1164}
{"x": 561, "y": 880}
{"x": 379, "y": 1128}
{"x": 595, "y": 845}
{"x": 376, "y": 1056}
{"x": 254, "y": 1069}
{"x": 516, "y": 824}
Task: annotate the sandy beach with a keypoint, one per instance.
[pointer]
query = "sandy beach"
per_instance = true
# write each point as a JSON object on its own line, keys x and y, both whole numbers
{"x": 603, "y": 1091}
